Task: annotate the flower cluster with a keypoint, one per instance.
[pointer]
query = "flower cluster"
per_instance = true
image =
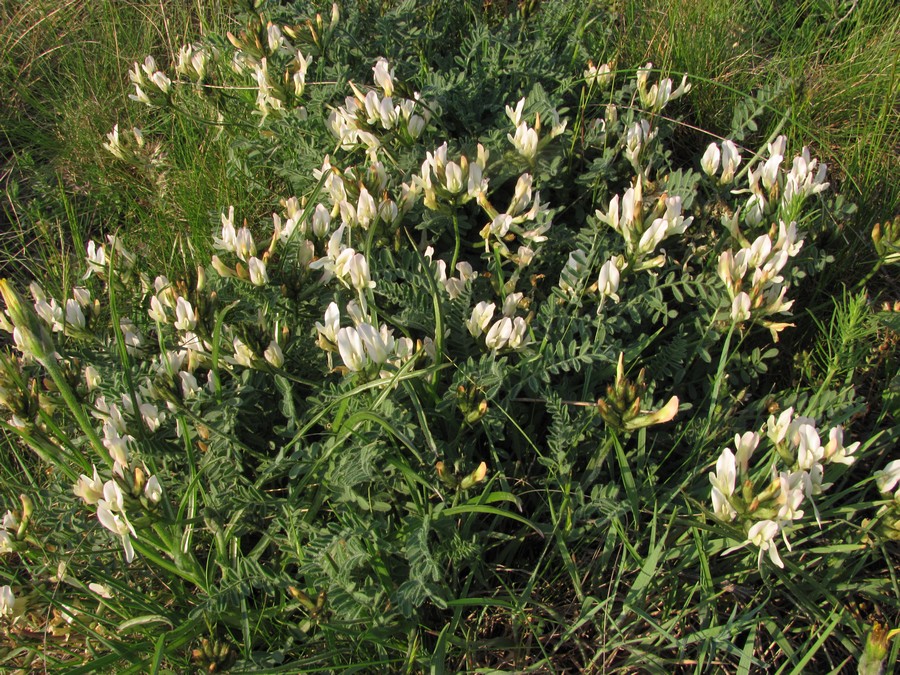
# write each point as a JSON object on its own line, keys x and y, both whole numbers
{"x": 508, "y": 332}
{"x": 728, "y": 158}
{"x": 112, "y": 501}
{"x": 754, "y": 280}
{"x": 277, "y": 67}
{"x": 362, "y": 346}
{"x": 775, "y": 193}
{"x": 448, "y": 182}
{"x": 656, "y": 97}
{"x": 526, "y": 217}
{"x": 240, "y": 242}
{"x": 365, "y": 117}
{"x": 622, "y": 409}
{"x": 193, "y": 60}
{"x": 642, "y": 233}
{"x": 776, "y": 506}
{"x": 597, "y": 77}
{"x": 152, "y": 86}
{"x": 359, "y": 197}
{"x": 526, "y": 140}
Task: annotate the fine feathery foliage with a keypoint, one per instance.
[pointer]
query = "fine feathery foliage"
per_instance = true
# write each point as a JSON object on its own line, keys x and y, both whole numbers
{"x": 478, "y": 364}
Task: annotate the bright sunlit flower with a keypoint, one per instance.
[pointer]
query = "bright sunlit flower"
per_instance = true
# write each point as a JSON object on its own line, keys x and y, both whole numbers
{"x": 762, "y": 535}
{"x": 184, "y": 314}
{"x": 888, "y": 477}
{"x": 351, "y": 349}
{"x": 258, "y": 274}
{"x": 384, "y": 76}
{"x": 274, "y": 355}
{"x": 7, "y": 601}
{"x": 482, "y": 314}
{"x": 111, "y": 514}
{"x": 89, "y": 489}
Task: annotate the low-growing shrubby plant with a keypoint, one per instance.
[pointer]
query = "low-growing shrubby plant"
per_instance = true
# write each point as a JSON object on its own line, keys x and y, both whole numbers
{"x": 478, "y": 390}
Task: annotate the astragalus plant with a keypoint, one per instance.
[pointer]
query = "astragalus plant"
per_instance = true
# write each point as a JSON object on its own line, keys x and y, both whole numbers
{"x": 455, "y": 397}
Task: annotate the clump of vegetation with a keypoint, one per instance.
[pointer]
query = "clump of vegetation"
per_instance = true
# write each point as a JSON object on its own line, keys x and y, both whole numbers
{"x": 479, "y": 362}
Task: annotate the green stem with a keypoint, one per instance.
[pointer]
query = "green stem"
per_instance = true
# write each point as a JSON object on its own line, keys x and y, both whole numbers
{"x": 77, "y": 410}
{"x": 498, "y": 270}
{"x": 456, "y": 244}
{"x": 720, "y": 373}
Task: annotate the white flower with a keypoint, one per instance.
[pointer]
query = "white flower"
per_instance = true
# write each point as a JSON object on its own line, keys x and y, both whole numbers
{"x": 351, "y": 349}
{"x": 597, "y": 76}
{"x": 379, "y": 344}
{"x": 118, "y": 524}
{"x": 189, "y": 385}
{"x": 835, "y": 451}
{"x": 731, "y": 159}
{"x": 7, "y": 601}
{"x": 710, "y": 160}
{"x": 499, "y": 334}
{"x": 762, "y": 534}
{"x": 517, "y": 337}
{"x": 50, "y": 313}
{"x": 404, "y": 350}
{"x": 525, "y": 141}
{"x": 329, "y": 330}
{"x": 740, "y": 307}
{"x": 89, "y": 489}
{"x": 274, "y": 355}
{"x": 482, "y": 314}
{"x": 274, "y": 38}
{"x": 184, "y": 314}
{"x": 515, "y": 116}
{"x": 244, "y": 246}
{"x": 161, "y": 81}
{"x": 809, "y": 448}
{"x": 453, "y": 178}
{"x": 365, "y": 209}
{"x": 777, "y": 430}
{"x": 82, "y": 296}
{"x": 608, "y": 281}
{"x": 111, "y": 514}
{"x": 510, "y": 303}
{"x": 384, "y": 77}
{"x": 770, "y": 171}
{"x": 525, "y": 255}
{"x": 152, "y": 417}
{"x": 500, "y": 226}
{"x": 744, "y": 446}
{"x": 358, "y": 268}
{"x": 157, "y": 311}
{"x": 5, "y": 541}
{"x": 153, "y": 490}
{"x": 243, "y": 355}
{"x": 790, "y": 497}
{"x": 117, "y": 444}
{"x": 887, "y": 478}
{"x": 91, "y": 377}
{"x": 722, "y": 509}
{"x": 228, "y": 241}
{"x": 258, "y": 274}
{"x": 726, "y": 473}
{"x": 74, "y": 315}
{"x": 321, "y": 220}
